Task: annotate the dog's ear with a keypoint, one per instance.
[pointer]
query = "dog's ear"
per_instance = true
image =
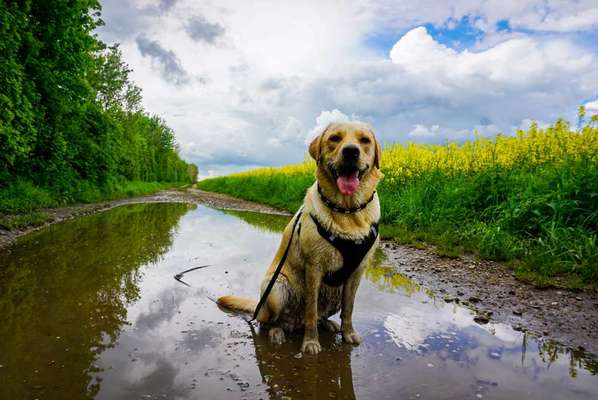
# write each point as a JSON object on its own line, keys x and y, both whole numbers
{"x": 377, "y": 152}
{"x": 316, "y": 145}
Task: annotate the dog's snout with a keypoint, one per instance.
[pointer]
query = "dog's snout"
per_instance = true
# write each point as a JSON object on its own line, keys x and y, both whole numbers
{"x": 351, "y": 152}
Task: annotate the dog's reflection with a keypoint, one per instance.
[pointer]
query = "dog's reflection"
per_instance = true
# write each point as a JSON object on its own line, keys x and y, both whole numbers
{"x": 290, "y": 374}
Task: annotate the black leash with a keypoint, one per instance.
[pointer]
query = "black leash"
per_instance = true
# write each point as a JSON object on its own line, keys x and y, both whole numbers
{"x": 278, "y": 269}
{"x": 266, "y": 293}
{"x": 345, "y": 271}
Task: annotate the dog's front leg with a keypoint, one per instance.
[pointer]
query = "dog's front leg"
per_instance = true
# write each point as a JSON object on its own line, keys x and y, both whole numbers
{"x": 311, "y": 344}
{"x": 349, "y": 291}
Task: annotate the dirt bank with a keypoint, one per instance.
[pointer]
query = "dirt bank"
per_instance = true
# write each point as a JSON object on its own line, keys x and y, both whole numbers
{"x": 489, "y": 288}
{"x": 568, "y": 317}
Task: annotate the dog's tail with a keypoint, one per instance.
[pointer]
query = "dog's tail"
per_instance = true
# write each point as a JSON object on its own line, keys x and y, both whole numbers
{"x": 238, "y": 304}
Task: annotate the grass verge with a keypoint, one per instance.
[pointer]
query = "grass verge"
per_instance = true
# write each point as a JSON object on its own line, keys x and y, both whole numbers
{"x": 20, "y": 203}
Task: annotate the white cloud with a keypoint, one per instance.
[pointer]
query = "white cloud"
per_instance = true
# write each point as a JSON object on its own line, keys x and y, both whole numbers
{"x": 275, "y": 67}
{"x": 422, "y": 131}
{"x": 592, "y": 106}
{"x": 322, "y": 121}
{"x": 577, "y": 16}
{"x": 535, "y": 15}
{"x": 512, "y": 63}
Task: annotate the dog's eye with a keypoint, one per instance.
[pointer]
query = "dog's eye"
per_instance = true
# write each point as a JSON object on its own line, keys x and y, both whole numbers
{"x": 365, "y": 140}
{"x": 335, "y": 138}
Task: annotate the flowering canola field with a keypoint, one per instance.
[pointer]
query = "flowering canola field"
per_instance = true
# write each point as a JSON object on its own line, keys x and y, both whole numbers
{"x": 530, "y": 198}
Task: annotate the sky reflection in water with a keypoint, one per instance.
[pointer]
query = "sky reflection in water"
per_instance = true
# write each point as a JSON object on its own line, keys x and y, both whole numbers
{"x": 91, "y": 310}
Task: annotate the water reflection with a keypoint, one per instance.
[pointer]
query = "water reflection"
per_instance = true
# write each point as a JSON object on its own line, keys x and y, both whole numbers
{"x": 264, "y": 222}
{"x": 288, "y": 375}
{"x": 65, "y": 293}
{"x": 386, "y": 278}
{"x": 91, "y": 310}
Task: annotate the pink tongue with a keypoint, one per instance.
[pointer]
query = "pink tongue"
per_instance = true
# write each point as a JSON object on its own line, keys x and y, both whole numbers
{"x": 348, "y": 184}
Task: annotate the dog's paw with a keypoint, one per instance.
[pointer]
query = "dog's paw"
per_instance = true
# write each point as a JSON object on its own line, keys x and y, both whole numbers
{"x": 276, "y": 335}
{"x": 331, "y": 326}
{"x": 311, "y": 346}
{"x": 351, "y": 337}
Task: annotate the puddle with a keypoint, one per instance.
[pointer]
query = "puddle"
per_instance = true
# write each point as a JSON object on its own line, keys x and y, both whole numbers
{"x": 90, "y": 309}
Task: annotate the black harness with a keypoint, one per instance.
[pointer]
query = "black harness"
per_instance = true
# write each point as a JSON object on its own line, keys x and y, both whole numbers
{"x": 352, "y": 251}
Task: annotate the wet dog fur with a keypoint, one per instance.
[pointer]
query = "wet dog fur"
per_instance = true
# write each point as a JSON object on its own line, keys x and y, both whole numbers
{"x": 299, "y": 298}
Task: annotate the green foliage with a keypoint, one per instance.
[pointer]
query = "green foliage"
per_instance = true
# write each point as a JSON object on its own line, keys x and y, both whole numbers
{"x": 88, "y": 272}
{"x": 23, "y": 197}
{"x": 541, "y": 217}
{"x": 262, "y": 221}
{"x": 278, "y": 190}
{"x": 21, "y": 221}
{"x": 71, "y": 120}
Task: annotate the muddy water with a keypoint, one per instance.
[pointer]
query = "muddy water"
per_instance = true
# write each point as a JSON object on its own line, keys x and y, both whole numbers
{"x": 90, "y": 309}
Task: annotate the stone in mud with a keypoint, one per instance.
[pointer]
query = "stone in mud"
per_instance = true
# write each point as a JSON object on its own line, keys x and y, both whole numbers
{"x": 481, "y": 319}
{"x": 518, "y": 328}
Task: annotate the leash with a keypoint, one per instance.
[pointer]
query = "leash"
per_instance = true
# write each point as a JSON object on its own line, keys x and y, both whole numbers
{"x": 264, "y": 296}
{"x": 322, "y": 232}
{"x": 266, "y": 293}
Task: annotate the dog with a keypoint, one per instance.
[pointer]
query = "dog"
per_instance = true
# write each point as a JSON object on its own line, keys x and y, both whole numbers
{"x": 330, "y": 242}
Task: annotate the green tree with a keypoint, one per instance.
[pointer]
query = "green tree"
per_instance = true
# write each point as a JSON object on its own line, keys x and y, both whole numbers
{"x": 71, "y": 118}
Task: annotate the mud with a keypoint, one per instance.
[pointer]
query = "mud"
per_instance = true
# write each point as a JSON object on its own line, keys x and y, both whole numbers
{"x": 492, "y": 291}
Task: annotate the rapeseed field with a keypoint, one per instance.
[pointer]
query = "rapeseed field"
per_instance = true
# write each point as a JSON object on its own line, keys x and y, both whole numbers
{"x": 530, "y": 199}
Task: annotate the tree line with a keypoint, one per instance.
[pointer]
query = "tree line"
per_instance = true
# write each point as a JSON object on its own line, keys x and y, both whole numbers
{"x": 69, "y": 112}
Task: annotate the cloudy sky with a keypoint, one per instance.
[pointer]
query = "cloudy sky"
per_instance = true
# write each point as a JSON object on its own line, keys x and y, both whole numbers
{"x": 244, "y": 83}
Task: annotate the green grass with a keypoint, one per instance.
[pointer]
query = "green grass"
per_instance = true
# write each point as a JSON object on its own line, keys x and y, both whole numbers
{"x": 281, "y": 191}
{"x": 541, "y": 220}
{"x": 20, "y": 221}
{"x": 20, "y": 202}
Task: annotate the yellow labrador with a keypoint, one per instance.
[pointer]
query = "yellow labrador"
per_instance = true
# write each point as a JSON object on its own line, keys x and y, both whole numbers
{"x": 330, "y": 241}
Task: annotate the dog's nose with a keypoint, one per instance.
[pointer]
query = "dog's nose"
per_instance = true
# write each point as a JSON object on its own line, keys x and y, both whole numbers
{"x": 351, "y": 152}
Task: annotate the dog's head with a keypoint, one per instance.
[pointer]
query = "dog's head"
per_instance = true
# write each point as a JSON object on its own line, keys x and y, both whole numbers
{"x": 347, "y": 153}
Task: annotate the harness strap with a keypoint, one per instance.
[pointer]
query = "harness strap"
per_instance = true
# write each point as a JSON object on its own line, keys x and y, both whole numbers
{"x": 278, "y": 268}
{"x": 352, "y": 251}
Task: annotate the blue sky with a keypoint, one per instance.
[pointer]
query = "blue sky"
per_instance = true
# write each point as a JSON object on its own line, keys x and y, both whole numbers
{"x": 461, "y": 36}
{"x": 246, "y": 84}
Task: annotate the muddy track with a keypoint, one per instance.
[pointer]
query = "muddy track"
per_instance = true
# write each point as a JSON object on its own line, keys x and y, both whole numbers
{"x": 488, "y": 288}
{"x": 190, "y": 195}
{"x": 491, "y": 290}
